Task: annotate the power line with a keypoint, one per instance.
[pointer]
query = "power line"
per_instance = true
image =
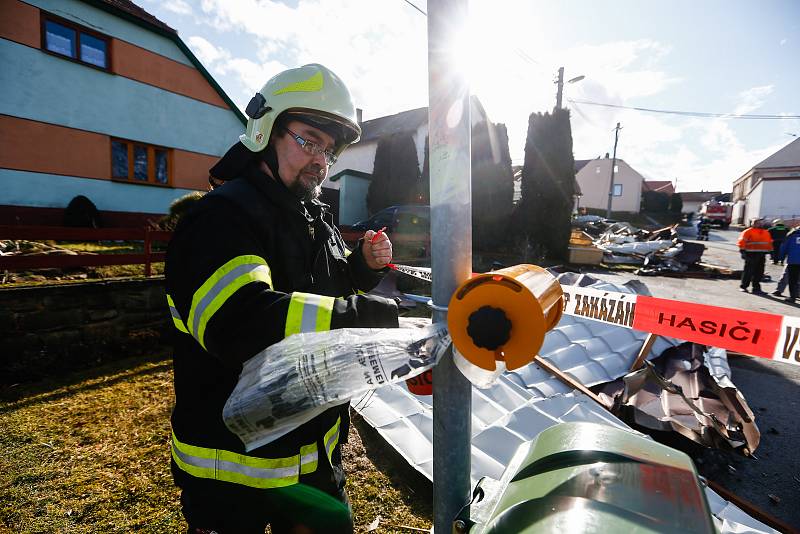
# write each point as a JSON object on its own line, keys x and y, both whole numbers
{"x": 415, "y": 7}
{"x": 687, "y": 113}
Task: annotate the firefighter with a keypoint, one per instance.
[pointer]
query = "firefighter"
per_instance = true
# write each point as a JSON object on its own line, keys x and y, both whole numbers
{"x": 257, "y": 260}
{"x": 778, "y": 233}
{"x": 754, "y": 245}
{"x": 704, "y": 227}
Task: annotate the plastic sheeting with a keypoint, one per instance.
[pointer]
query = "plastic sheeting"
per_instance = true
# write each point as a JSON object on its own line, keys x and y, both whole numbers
{"x": 293, "y": 381}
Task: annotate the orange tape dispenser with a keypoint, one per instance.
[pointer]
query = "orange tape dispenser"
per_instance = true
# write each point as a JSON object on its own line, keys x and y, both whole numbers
{"x": 504, "y": 315}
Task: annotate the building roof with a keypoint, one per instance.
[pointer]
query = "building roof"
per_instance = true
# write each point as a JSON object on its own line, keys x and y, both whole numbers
{"x": 580, "y": 163}
{"x": 698, "y": 196}
{"x": 405, "y": 121}
{"x": 350, "y": 172}
{"x": 788, "y": 156}
{"x": 125, "y": 9}
{"x": 661, "y": 186}
{"x": 132, "y": 9}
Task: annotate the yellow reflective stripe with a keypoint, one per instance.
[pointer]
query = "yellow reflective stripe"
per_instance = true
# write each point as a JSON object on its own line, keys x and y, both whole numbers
{"x": 220, "y": 286}
{"x": 238, "y": 468}
{"x": 176, "y": 317}
{"x": 332, "y": 438}
{"x": 311, "y": 85}
{"x": 308, "y": 313}
{"x": 347, "y": 252}
{"x": 308, "y": 459}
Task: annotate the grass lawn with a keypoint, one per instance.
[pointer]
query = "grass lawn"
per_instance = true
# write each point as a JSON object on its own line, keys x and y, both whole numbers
{"x": 89, "y": 452}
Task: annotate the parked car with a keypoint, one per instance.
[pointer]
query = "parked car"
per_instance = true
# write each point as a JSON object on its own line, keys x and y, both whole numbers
{"x": 408, "y": 226}
{"x": 412, "y": 219}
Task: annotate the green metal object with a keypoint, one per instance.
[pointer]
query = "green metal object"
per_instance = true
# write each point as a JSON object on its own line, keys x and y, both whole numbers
{"x": 585, "y": 477}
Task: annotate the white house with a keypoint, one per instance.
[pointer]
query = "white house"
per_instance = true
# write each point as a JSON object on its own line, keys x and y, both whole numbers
{"x": 771, "y": 189}
{"x": 347, "y": 187}
{"x": 594, "y": 177}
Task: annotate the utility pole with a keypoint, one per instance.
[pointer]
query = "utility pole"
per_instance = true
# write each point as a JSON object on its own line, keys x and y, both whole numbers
{"x": 451, "y": 260}
{"x": 560, "y": 84}
{"x": 613, "y": 164}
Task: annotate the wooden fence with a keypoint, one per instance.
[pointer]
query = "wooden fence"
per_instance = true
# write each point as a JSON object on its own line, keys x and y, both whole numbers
{"x": 58, "y": 233}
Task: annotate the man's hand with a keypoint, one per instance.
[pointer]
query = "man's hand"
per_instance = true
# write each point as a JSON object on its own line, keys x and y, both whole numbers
{"x": 377, "y": 249}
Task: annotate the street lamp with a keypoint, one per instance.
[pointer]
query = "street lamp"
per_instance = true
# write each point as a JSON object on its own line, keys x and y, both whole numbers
{"x": 560, "y": 83}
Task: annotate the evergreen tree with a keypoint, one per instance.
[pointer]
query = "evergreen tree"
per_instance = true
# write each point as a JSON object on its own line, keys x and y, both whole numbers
{"x": 395, "y": 174}
{"x": 676, "y": 203}
{"x": 425, "y": 182}
{"x": 548, "y": 183}
{"x": 492, "y": 185}
{"x": 655, "y": 201}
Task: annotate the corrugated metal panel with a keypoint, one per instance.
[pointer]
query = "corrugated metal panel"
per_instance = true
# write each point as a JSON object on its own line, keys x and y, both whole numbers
{"x": 519, "y": 405}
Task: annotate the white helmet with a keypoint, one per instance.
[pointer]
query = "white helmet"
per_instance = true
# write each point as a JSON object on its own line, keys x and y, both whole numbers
{"x": 311, "y": 94}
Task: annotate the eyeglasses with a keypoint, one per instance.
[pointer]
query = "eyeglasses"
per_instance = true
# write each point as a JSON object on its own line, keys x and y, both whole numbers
{"x": 312, "y": 148}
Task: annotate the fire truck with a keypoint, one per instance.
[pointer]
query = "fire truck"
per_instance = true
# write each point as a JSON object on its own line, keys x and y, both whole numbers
{"x": 718, "y": 213}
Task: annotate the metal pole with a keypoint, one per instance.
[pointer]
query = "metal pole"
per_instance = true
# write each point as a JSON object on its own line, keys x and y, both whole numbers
{"x": 451, "y": 242}
{"x": 613, "y": 164}
{"x": 560, "y": 83}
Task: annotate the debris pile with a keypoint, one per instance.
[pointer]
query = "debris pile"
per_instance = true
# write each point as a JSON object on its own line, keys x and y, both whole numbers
{"x": 659, "y": 252}
{"x": 21, "y": 247}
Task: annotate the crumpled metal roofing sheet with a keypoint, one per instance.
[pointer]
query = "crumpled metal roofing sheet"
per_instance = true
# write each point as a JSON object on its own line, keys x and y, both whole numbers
{"x": 520, "y": 404}
{"x": 503, "y": 417}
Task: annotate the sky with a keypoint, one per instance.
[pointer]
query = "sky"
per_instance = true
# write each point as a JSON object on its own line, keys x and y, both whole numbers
{"x": 714, "y": 56}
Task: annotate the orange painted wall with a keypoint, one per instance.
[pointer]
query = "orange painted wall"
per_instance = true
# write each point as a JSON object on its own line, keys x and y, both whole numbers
{"x": 142, "y": 65}
{"x": 20, "y": 22}
{"x": 191, "y": 169}
{"x": 27, "y": 145}
{"x": 40, "y": 147}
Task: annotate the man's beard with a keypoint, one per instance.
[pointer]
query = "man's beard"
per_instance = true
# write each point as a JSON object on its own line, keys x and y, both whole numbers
{"x": 306, "y": 189}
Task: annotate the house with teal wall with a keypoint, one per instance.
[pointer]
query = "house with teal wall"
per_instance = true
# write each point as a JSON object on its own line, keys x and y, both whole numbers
{"x": 99, "y": 98}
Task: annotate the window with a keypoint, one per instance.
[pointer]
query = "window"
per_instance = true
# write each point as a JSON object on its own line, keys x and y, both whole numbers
{"x": 140, "y": 163}
{"x": 75, "y": 42}
{"x": 617, "y": 190}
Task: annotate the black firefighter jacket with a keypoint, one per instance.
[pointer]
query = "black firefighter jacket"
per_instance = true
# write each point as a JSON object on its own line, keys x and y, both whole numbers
{"x": 248, "y": 266}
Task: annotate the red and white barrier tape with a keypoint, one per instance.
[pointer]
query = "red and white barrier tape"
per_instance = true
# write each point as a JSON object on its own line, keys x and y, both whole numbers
{"x": 766, "y": 335}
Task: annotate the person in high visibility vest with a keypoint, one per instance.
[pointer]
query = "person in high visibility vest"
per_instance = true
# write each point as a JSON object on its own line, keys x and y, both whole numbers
{"x": 754, "y": 245}
{"x": 254, "y": 261}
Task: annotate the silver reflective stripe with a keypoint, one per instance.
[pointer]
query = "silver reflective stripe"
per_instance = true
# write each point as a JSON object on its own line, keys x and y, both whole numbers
{"x": 219, "y": 286}
{"x": 331, "y": 443}
{"x": 310, "y": 309}
{"x": 309, "y": 458}
{"x": 176, "y": 317}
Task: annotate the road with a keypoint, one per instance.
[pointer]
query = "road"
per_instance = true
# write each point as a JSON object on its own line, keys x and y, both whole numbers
{"x": 772, "y": 389}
